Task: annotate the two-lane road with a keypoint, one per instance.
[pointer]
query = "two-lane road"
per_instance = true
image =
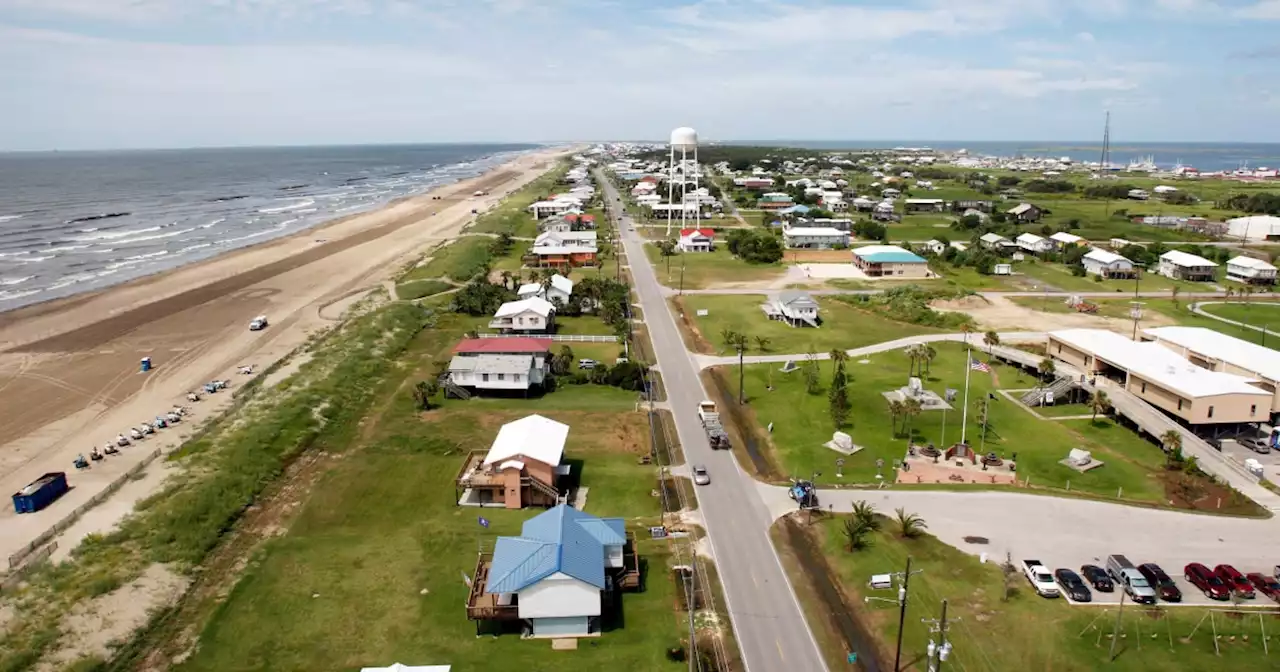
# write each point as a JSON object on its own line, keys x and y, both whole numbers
{"x": 767, "y": 620}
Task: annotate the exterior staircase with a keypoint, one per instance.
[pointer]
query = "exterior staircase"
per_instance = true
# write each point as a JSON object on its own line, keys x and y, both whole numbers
{"x": 538, "y": 486}
{"x": 453, "y": 390}
{"x": 1058, "y": 387}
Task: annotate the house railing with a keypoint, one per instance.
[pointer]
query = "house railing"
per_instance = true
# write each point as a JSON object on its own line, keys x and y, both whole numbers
{"x": 564, "y": 338}
{"x": 482, "y": 606}
{"x": 629, "y": 577}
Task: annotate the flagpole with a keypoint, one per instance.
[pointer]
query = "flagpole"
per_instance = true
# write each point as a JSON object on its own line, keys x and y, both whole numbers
{"x": 964, "y": 417}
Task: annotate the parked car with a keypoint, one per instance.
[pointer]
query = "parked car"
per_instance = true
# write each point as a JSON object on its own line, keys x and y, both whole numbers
{"x": 587, "y": 363}
{"x": 1072, "y": 585}
{"x": 1202, "y": 578}
{"x": 1255, "y": 444}
{"x": 1097, "y": 577}
{"x": 1164, "y": 586}
{"x": 700, "y": 475}
{"x": 1267, "y": 585}
{"x": 1235, "y": 580}
{"x": 1127, "y": 576}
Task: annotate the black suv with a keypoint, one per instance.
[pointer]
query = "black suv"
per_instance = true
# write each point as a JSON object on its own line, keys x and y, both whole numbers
{"x": 1097, "y": 577}
{"x": 1160, "y": 582}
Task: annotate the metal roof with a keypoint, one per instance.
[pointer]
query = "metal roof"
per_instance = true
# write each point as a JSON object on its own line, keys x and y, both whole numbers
{"x": 1216, "y": 345}
{"x": 1180, "y": 258}
{"x": 1105, "y": 257}
{"x": 559, "y": 540}
{"x": 887, "y": 254}
{"x": 1157, "y": 364}
{"x": 1250, "y": 262}
{"x": 502, "y": 345}
{"x": 532, "y": 436}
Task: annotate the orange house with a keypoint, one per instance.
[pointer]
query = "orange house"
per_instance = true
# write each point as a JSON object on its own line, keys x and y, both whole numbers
{"x": 559, "y": 256}
{"x": 522, "y": 467}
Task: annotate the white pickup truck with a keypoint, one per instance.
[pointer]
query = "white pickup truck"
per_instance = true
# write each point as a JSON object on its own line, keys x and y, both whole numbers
{"x": 1041, "y": 579}
{"x": 259, "y": 323}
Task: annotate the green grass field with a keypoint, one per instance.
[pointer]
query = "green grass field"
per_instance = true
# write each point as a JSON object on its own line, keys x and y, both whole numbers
{"x": 1255, "y": 312}
{"x": 843, "y": 326}
{"x": 801, "y": 424}
{"x": 417, "y": 289}
{"x": 371, "y": 571}
{"x": 1178, "y": 313}
{"x": 1058, "y": 276}
{"x": 512, "y": 216}
{"x": 705, "y": 269}
{"x": 1026, "y": 632}
{"x": 459, "y": 261}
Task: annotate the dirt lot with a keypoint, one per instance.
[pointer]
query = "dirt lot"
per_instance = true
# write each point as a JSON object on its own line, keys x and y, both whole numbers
{"x": 819, "y": 256}
{"x": 69, "y": 375}
{"x": 993, "y": 311}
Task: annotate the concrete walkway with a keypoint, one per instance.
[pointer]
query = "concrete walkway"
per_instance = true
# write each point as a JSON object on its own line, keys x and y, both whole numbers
{"x": 1196, "y": 308}
{"x": 707, "y": 361}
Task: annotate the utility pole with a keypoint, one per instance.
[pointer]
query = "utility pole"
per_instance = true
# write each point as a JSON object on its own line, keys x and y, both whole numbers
{"x": 1115, "y": 635}
{"x": 938, "y": 651}
{"x": 902, "y": 612}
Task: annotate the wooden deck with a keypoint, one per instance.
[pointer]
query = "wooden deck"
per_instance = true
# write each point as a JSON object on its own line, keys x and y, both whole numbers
{"x": 482, "y": 606}
{"x": 628, "y": 577}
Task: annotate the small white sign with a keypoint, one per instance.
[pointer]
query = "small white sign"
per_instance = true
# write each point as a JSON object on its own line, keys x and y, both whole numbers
{"x": 703, "y": 312}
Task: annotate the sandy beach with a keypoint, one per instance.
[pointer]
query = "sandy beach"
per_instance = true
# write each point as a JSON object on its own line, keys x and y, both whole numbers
{"x": 69, "y": 369}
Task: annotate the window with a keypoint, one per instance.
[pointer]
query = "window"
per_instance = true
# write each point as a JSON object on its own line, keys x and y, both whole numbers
{"x": 1211, "y": 411}
{"x": 1253, "y": 410}
{"x": 502, "y": 376}
{"x": 1144, "y": 389}
{"x": 484, "y": 377}
{"x": 516, "y": 377}
{"x": 1180, "y": 405}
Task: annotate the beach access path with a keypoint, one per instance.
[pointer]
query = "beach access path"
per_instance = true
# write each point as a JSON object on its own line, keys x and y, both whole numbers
{"x": 69, "y": 369}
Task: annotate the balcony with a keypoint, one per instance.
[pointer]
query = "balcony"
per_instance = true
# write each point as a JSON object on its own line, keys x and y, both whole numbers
{"x": 482, "y": 606}
{"x": 628, "y": 576}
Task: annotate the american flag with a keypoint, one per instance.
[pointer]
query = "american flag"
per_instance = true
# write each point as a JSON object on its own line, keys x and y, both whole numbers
{"x": 979, "y": 366}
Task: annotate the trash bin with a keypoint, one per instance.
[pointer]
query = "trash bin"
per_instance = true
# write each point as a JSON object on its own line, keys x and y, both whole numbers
{"x": 146, "y": 364}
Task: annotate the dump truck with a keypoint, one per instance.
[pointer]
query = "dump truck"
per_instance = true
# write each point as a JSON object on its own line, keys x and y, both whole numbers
{"x": 710, "y": 418}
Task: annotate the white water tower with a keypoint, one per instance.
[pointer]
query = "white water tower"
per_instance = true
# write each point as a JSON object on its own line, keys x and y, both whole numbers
{"x": 684, "y": 141}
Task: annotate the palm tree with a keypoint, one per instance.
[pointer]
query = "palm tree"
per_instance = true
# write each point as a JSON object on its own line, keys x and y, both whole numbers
{"x": 506, "y": 279}
{"x": 838, "y": 356}
{"x": 728, "y": 337}
{"x": 910, "y": 409}
{"x": 1099, "y": 403}
{"x": 856, "y": 533}
{"x": 865, "y": 512}
{"x": 740, "y": 342}
{"x": 910, "y": 525}
{"x": 928, "y": 353}
{"x": 1046, "y": 368}
{"x": 762, "y": 343}
{"x": 991, "y": 339}
{"x": 1173, "y": 295}
{"x": 966, "y": 329}
{"x": 1171, "y": 441}
{"x": 895, "y": 412}
{"x": 534, "y": 275}
{"x": 913, "y": 355}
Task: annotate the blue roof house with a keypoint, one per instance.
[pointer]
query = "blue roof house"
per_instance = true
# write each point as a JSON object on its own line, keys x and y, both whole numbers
{"x": 555, "y": 572}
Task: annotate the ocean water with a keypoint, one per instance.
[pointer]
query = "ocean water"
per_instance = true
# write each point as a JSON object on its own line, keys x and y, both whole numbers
{"x": 1207, "y": 157}
{"x": 77, "y": 221}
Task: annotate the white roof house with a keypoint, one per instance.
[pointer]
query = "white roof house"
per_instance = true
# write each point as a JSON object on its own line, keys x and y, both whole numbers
{"x": 1106, "y": 264}
{"x": 1066, "y": 239}
{"x": 532, "y": 437}
{"x": 820, "y": 237}
{"x": 566, "y": 238}
{"x": 1254, "y": 227}
{"x": 532, "y": 314}
{"x": 398, "y": 667}
{"x": 1185, "y": 266}
{"x": 1250, "y": 270}
{"x": 796, "y": 308}
{"x": 1157, "y": 363}
{"x": 560, "y": 288}
{"x": 990, "y": 240}
{"x": 1033, "y": 243}
{"x": 1215, "y": 347}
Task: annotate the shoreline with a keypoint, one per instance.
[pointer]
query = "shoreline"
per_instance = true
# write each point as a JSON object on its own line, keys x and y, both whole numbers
{"x": 69, "y": 370}
{"x": 11, "y": 316}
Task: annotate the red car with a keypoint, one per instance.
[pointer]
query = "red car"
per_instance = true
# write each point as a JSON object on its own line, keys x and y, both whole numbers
{"x": 1201, "y": 577}
{"x": 1265, "y": 584}
{"x": 1235, "y": 580}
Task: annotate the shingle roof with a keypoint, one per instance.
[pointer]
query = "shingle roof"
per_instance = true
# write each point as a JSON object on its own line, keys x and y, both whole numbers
{"x": 561, "y": 539}
{"x": 536, "y": 304}
{"x": 795, "y": 297}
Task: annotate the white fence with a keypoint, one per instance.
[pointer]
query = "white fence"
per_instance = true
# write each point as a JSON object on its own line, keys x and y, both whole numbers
{"x": 16, "y": 560}
{"x": 568, "y": 338}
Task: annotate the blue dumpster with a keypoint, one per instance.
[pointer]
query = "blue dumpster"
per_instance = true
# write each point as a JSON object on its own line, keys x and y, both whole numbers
{"x": 40, "y": 493}
{"x": 146, "y": 364}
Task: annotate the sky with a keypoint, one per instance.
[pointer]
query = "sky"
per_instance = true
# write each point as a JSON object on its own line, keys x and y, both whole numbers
{"x": 99, "y": 74}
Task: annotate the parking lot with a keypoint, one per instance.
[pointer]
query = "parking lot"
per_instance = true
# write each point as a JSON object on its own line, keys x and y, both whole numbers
{"x": 1191, "y": 596}
{"x": 1270, "y": 461}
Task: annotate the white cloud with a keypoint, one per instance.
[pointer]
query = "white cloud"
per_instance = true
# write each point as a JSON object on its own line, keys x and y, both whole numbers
{"x": 1262, "y": 9}
{"x": 1085, "y": 37}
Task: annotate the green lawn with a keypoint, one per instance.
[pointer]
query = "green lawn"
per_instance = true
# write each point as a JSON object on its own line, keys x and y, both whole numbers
{"x": 1064, "y": 410}
{"x": 416, "y": 289}
{"x": 1026, "y": 632}
{"x": 371, "y": 572}
{"x": 1058, "y": 276}
{"x": 1169, "y": 309}
{"x": 512, "y": 216}
{"x": 843, "y": 326}
{"x": 1257, "y": 313}
{"x": 459, "y": 261}
{"x": 704, "y": 269}
{"x": 801, "y": 424}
